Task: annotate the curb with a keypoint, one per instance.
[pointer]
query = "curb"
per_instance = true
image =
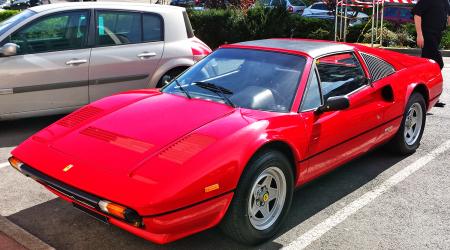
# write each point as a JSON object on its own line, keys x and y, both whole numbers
{"x": 415, "y": 51}
{"x": 21, "y": 236}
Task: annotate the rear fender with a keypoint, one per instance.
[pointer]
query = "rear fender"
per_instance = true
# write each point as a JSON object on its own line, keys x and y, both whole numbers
{"x": 421, "y": 88}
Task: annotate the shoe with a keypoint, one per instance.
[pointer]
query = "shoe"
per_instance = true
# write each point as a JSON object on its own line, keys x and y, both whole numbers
{"x": 439, "y": 104}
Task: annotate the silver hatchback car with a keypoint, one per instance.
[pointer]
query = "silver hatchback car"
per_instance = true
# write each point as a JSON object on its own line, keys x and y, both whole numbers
{"x": 56, "y": 58}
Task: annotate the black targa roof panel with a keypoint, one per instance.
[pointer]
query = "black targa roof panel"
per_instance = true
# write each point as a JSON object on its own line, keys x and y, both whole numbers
{"x": 313, "y": 48}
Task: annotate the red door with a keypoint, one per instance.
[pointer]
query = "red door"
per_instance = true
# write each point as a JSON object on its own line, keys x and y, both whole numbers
{"x": 337, "y": 136}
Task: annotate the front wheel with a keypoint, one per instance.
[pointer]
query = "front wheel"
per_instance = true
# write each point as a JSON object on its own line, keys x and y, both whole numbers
{"x": 408, "y": 137}
{"x": 262, "y": 199}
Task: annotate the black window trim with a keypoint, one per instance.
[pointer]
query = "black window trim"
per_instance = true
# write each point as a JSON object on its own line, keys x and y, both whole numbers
{"x": 142, "y": 13}
{"x": 310, "y": 78}
{"x": 37, "y": 19}
{"x": 320, "y": 81}
{"x": 188, "y": 25}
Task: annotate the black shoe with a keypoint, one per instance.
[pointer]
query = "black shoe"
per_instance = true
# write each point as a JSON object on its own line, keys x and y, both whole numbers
{"x": 439, "y": 104}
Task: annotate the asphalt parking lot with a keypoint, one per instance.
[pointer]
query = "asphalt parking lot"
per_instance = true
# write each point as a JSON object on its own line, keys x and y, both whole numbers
{"x": 377, "y": 201}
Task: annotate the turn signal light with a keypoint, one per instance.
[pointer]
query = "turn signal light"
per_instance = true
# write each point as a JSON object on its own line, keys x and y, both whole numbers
{"x": 112, "y": 209}
{"x": 121, "y": 212}
{"x": 15, "y": 163}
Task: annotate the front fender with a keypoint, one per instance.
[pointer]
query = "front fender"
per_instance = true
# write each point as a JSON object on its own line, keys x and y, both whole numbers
{"x": 215, "y": 169}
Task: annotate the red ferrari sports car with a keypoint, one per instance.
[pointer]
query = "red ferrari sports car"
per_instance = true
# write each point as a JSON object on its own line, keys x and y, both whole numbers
{"x": 228, "y": 141}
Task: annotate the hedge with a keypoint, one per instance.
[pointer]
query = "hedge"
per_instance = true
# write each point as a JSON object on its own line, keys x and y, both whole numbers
{"x": 220, "y": 26}
{"x": 7, "y": 14}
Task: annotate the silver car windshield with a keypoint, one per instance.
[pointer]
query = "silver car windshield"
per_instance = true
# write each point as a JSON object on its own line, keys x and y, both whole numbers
{"x": 14, "y": 20}
{"x": 252, "y": 79}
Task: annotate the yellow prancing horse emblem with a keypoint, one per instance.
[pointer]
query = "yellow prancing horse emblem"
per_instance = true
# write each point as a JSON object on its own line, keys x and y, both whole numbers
{"x": 68, "y": 167}
{"x": 265, "y": 197}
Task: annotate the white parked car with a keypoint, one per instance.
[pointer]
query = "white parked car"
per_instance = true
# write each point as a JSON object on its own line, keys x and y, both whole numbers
{"x": 321, "y": 10}
{"x": 56, "y": 58}
{"x": 292, "y": 6}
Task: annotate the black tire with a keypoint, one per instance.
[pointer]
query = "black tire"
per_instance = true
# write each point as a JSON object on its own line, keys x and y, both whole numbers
{"x": 169, "y": 75}
{"x": 398, "y": 144}
{"x": 236, "y": 222}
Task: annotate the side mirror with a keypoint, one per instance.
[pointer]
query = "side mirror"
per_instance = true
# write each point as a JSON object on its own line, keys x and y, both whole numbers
{"x": 9, "y": 49}
{"x": 334, "y": 103}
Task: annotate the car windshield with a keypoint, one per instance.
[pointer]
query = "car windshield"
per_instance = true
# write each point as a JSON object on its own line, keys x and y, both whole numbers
{"x": 252, "y": 79}
{"x": 14, "y": 20}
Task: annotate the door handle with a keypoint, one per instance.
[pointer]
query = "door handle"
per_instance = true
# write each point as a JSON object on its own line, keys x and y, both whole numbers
{"x": 144, "y": 55}
{"x": 6, "y": 91}
{"x": 76, "y": 61}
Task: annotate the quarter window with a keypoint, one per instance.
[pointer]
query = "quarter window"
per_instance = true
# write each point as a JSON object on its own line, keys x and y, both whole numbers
{"x": 53, "y": 33}
{"x": 152, "y": 28}
{"x": 312, "y": 98}
{"x": 116, "y": 28}
{"x": 378, "y": 68}
{"x": 340, "y": 74}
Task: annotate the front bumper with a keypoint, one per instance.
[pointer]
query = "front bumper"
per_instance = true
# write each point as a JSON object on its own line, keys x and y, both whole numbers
{"x": 161, "y": 229}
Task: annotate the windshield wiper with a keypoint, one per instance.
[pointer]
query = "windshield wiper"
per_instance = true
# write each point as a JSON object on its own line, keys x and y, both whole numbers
{"x": 182, "y": 89}
{"x": 219, "y": 90}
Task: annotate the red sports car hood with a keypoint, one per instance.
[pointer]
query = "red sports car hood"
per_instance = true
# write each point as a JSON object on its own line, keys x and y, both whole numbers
{"x": 120, "y": 140}
{"x": 108, "y": 139}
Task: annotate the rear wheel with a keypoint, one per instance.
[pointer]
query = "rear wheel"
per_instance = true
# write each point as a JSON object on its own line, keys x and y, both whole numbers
{"x": 408, "y": 137}
{"x": 262, "y": 199}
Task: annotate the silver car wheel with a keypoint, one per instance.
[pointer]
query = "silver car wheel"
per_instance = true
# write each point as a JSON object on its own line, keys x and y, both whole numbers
{"x": 267, "y": 198}
{"x": 413, "y": 123}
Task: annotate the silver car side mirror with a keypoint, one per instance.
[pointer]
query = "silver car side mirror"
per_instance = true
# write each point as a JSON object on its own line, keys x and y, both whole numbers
{"x": 9, "y": 49}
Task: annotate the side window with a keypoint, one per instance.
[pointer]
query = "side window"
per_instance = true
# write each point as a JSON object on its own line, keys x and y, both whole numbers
{"x": 64, "y": 31}
{"x": 312, "y": 98}
{"x": 153, "y": 30}
{"x": 319, "y": 6}
{"x": 116, "y": 28}
{"x": 340, "y": 74}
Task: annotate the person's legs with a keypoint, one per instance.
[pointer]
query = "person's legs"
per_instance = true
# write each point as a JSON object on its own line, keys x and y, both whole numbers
{"x": 431, "y": 50}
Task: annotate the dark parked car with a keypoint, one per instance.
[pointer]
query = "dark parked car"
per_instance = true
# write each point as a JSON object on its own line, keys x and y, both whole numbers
{"x": 188, "y": 3}
{"x": 21, "y": 4}
{"x": 398, "y": 14}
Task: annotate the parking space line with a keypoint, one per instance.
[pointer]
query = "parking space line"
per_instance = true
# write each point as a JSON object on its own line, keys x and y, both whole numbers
{"x": 320, "y": 229}
{"x": 4, "y": 165}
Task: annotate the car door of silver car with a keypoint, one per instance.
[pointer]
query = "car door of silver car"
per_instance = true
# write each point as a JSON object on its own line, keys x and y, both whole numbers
{"x": 51, "y": 66}
{"x": 129, "y": 46}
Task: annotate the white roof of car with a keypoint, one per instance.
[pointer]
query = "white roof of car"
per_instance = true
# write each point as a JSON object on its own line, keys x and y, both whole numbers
{"x": 106, "y": 5}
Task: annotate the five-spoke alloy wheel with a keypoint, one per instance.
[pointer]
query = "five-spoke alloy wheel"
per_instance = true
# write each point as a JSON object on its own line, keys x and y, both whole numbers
{"x": 408, "y": 137}
{"x": 266, "y": 198}
{"x": 413, "y": 123}
{"x": 261, "y": 200}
